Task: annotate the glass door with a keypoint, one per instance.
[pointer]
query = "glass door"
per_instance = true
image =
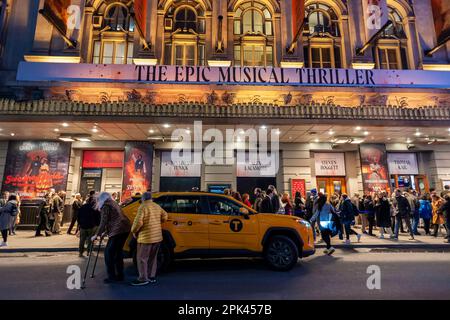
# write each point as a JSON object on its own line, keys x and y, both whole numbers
{"x": 331, "y": 185}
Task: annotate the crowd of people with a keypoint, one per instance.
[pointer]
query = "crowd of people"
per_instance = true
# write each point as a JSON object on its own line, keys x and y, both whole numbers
{"x": 336, "y": 214}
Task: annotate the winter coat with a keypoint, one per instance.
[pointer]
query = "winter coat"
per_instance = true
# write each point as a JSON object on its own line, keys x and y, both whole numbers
{"x": 6, "y": 213}
{"x": 368, "y": 207}
{"x": 113, "y": 221}
{"x": 413, "y": 202}
{"x": 425, "y": 209}
{"x": 88, "y": 217}
{"x": 327, "y": 219}
{"x": 257, "y": 204}
{"x": 147, "y": 224}
{"x": 266, "y": 205}
{"x": 382, "y": 211}
{"x": 438, "y": 217}
{"x": 275, "y": 203}
{"x": 401, "y": 206}
{"x": 346, "y": 212}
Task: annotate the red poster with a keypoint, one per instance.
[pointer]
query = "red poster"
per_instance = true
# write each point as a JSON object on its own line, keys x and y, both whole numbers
{"x": 298, "y": 14}
{"x": 298, "y": 185}
{"x": 441, "y": 14}
{"x": 102, "y": 159}
{"x": 137, "y": 172}
{"x": 140, "y": 12}
{"x": 374, "y": 167}
{"x": 34, "y": 167}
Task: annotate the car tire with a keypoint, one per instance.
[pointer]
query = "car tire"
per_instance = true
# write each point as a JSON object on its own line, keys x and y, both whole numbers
{"x": 281, "y": 253}
{"x": 165, "y": 257}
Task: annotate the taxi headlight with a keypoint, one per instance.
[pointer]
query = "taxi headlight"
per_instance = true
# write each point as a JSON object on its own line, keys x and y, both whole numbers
{"x": 305, "y": 223}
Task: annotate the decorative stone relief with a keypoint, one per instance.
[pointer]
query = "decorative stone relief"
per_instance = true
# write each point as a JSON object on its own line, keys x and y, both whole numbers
{"x": 133, "y": 96}
{"x": 150, "y": 97}
{"x": 104, "y": 97}
{"x": 287, "y": 99}
{"x": 212, "y": 97}
{"x": 228, "y": 98}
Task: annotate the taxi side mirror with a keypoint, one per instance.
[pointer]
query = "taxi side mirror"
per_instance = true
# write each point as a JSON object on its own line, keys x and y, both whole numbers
{"x": 244, "y": 212}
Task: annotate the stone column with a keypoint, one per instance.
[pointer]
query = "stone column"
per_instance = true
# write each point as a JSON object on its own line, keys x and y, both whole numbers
{"x": 86, "y": 44}
{"x": 414, "y": 49}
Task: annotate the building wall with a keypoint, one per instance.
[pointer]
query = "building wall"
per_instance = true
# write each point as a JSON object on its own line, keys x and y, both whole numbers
{"x": 3, "y": 153}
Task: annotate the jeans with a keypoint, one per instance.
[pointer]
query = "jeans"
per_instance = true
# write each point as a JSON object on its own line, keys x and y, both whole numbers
{"x": 348, "y": 230}
{"x": 371, "y": 219}
{"x": 416, "y": 220}
{"x": 114, "y": 256}
{"x": 398, "y": 223}
{"x": 85, "y": 237}
{"x": 5, "y": 235}
{"x": 426, "y": 226}
{"x": 147, "y": 260}
{"x": 326, "y": 237}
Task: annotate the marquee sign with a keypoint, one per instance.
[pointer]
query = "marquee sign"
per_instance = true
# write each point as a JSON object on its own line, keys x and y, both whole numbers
{"x": 161, "y": 74}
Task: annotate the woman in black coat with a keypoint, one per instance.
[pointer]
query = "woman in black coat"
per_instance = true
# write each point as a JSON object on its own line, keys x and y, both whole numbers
{"x": 382, "y": 210}
{"x": 7, "y": 213}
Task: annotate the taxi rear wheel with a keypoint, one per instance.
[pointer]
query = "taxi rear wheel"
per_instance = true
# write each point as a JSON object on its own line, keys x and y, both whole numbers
{"x": 281, "y": 253}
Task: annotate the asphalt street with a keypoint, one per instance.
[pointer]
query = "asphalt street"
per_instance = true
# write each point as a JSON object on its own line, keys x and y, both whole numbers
{"x": 404, "y": 275}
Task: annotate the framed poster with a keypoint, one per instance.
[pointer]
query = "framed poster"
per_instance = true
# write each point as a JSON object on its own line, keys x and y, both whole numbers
{"x": 137, "y": 171}
{"x": 374, "y": 167}
{"x": 298, "y": 185}
{"x": 34, "y": 167}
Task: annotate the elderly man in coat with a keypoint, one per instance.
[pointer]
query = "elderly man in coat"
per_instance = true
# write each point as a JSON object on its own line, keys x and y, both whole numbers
{"x": 147, "y": 228}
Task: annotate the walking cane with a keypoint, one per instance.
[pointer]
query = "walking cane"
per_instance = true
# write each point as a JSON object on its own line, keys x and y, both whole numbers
{"x": 83, "y": 286}
{"x": 96, "y": 258}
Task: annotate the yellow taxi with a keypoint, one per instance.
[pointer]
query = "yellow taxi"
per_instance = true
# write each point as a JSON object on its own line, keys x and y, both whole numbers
{"x": 205, "y": 225}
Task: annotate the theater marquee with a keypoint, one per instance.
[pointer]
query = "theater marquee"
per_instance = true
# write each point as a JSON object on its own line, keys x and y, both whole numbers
{"x": 160, "y": 74}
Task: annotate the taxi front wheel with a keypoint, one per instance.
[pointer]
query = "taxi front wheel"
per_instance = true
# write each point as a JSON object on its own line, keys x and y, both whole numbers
{"x": 281, "y": 253}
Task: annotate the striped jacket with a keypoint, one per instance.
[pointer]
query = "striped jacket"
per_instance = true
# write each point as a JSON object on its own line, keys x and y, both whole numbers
{"x": 147, "y": 223}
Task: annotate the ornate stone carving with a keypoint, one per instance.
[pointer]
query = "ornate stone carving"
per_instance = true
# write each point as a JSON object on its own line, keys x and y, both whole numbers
{"x": 150, "y": 97}
{"x": 403, "y": 102}
{"x": 133, "y": 96}
{"x": 256, "y": 99}
{"x": 182, "y": 98}
{"x": 329, "y": 100}
{"x": 379, "y": 100}
{"x": 287, "y": 99}
{"x": 305, "y": 99}
{"x": 104, "y": 97}
{"x": 362, "y": 99}
{"x": 212, "y": 97}
{"x": 228, "y": 98}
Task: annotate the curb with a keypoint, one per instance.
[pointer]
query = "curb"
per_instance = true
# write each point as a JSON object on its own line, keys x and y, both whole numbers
{"x": 442, "y": 246}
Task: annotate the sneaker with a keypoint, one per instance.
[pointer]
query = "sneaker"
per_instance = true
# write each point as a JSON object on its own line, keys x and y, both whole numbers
{"x": 4, "y": 244}
{"x": 392, "y": 236}
{"x": 152, "y": 280}
{"x": 331, "y": 251}
{"x": 138, "y": 283}
{"x": 358, "y": 236}
{"x": 411, "y": 238}
{"x": 326, "y": 251}
{"x": 346, "y": 242}
{"x": 381, "y": 237}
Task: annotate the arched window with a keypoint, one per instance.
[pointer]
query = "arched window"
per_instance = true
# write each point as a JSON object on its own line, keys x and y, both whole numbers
{"x": 253, "y": 35}
{"x": 113, "y": 34}
{"x": 184, "y": 26}
{"x": 390, "y": 51}
{"x": 186, "y": 19}
{"x": 321, "y": 37}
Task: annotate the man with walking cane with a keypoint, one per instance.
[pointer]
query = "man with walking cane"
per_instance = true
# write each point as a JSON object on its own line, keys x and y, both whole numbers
{"x": 148, "y": 232}
{"x": 117, "y": 227}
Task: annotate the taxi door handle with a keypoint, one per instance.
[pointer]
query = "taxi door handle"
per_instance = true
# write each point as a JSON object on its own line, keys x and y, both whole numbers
{"x": 216, "y": 223}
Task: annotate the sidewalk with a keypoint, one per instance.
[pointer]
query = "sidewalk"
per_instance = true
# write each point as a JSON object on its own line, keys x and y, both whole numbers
{"x": 403, "y": 242}
{"x": 25, "y": 241}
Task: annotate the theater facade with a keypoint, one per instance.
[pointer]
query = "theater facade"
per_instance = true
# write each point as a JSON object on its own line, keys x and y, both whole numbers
{"x": 91, "y": 102}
